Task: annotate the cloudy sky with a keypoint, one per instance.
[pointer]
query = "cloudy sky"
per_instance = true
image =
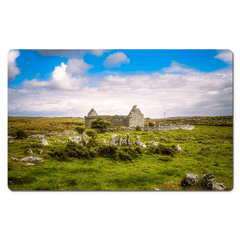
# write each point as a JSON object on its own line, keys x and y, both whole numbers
{"x": 59, "y": 83}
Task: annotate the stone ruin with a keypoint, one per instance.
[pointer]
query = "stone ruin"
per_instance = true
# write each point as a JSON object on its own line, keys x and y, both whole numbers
{"x": 133, "y": 119}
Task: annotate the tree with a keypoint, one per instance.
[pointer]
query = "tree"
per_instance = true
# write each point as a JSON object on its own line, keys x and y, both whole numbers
{"x": 101, "y": 124}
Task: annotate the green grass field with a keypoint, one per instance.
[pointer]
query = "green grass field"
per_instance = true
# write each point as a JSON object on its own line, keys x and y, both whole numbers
{"x": 145, "y": 172}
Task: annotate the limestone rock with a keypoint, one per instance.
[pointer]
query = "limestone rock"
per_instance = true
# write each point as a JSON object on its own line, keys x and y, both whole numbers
{"x": 209, "y": 181}
{"x": 14, "y": 159}
{"x": 156, "y": 189}
{"x": 120, "y": 140}
{"x": 193, "y": 138}
{"x": 30, "y": 164}
{"x": 218, "y": 186}
{"x": 44, "y": 142}
{"x": 70, "y": 139}
{"x": 189, "y": 179}
{"x": 113, "y": 140}
{"x": 40, "y": 151}
{"x": 178, "y": 148}
{"x": 103, "y": 140}
{"x": 30, "y": 151}
{"x": 139, "y": 143}
{"x": 31, "y": 159}
{"x": 84, "y": 139}
{"x": 152, "y": 143}
{"x": 128, "y": 139}
{"x": 77, "y": 140}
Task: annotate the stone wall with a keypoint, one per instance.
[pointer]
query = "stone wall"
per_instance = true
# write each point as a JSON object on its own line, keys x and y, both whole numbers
{"x": 133, "y": 119}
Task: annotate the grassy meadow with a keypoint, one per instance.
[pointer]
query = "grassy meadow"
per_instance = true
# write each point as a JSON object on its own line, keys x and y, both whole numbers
{"x": 147, "y": 169}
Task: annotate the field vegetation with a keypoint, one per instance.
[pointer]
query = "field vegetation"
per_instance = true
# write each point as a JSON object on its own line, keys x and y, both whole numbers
{"x": 99, "y": 167}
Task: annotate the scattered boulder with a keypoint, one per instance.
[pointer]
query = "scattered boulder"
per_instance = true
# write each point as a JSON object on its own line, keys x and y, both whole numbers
{"x": 193, "y": 138}
{"x": 209, "y": 181}
{"x": 84, "y": 139}
{"x": 139, "y": 143}
{"x": 31, "y": 159}
{"x": 40, "y": 151}
{"x": 44, "y": 142}
{"x": 70, "y": 139}
{"x": 206, "y": 149}
{"x": 163, "y": 138}
{"x": 156, "y": 189}
{"x": 113, "y": 140}
{"x": 14, "y": 159}
{"x": 30, "y": 151}
{"x": 189, "y": 179}
{"x": 11, "y": 141}
{"x": 128, "y": 139}
{"x": 178, "y": 148}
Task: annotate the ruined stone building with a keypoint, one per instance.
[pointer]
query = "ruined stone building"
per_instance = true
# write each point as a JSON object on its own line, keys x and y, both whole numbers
{"x": 133, "y": 119}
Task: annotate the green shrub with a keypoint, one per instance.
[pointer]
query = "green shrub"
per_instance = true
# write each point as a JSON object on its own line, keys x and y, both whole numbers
{"x": 91, "y": 133}
{"x": 138, "y": 128}
{"x": 161, "y": 149}
{"x": 101, "y": 124}
{"x": 79, "y": 129}
{"x": 151, "y": 124}
{"x": 21, "y": 134}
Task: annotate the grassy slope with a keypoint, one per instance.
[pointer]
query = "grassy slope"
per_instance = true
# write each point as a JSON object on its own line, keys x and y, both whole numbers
{"x": 144, "y": 173}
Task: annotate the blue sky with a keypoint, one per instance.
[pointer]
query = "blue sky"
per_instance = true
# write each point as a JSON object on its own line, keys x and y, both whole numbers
{"x": 71, "y": 82}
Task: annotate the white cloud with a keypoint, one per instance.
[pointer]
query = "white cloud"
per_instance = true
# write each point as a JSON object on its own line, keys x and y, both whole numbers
{"x": 77, "y": 66}
{"x": 177, "y": 68}
{"x": 13, "y": 70}
{"x": 116, "y": 60}
{"x": 60, "y": 80}
{"x": 97, "y": 52}
{"x": 225, "y": 55}
{"x": 177, "y": 94}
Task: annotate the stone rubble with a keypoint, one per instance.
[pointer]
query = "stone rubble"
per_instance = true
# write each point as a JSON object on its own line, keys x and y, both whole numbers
{"x": 209, "y": 181}
{"x": 28, "y": 159}
{"x": 189, "y": 179}
{"x": 152, "y": 143}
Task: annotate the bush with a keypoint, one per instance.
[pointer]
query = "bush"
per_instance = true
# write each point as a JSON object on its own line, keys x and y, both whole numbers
{"x": 101, "y": 124}
{"x": 138, "y": 128}
{"x": 161, "y": 149}
{"x": 91, "y": 133}
{"x": 21, "y": 134}
{"x": 79, "y": 129}
{"x": 151, "y": 124}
